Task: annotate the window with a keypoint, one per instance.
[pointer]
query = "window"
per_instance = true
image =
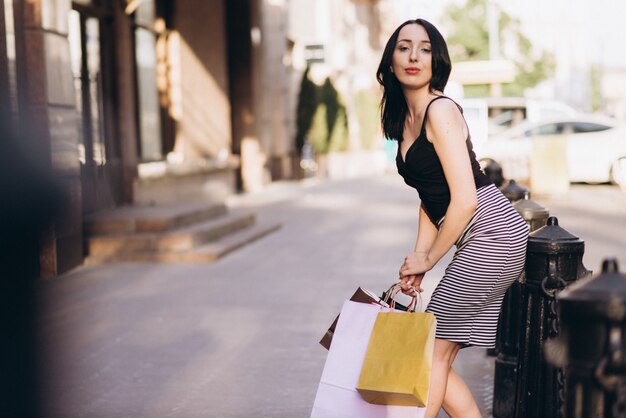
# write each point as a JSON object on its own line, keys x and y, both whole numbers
{"x": 91, "y": 44}
{"x": 147, "y": 60}
{"x": 84, "y": 39}
{"x": 547, "y": 129}
{"x": 148, "y": 95}
{"x": 586, "y": 127}
{"x": 8, "y": 73}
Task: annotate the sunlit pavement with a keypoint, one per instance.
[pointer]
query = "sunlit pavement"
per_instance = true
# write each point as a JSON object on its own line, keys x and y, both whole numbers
{"x": 238, "y": 338}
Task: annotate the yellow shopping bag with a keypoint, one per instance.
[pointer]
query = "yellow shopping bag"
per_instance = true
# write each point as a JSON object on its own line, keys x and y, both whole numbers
{"x": 396, "y": 368}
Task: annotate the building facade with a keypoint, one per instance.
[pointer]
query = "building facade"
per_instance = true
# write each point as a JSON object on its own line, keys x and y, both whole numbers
{"x": 145, "y": 102}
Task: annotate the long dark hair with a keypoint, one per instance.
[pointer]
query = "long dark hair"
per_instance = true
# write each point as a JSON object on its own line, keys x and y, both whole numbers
{"x": 393, "y": 107}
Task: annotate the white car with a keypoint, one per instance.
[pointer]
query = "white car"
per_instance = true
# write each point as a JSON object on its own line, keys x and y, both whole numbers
{"x": 592, "y": 146}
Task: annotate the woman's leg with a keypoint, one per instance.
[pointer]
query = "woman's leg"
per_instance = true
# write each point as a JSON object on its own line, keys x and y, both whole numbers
{"x": 443, "y": 356}
{"x": 447, "y": 389}
{"x": 458, "y": 401}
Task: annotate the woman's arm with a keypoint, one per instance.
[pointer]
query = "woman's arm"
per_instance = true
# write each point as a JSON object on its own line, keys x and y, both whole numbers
{"x": 447, "y": 131}
{"x": 426, "y": 232}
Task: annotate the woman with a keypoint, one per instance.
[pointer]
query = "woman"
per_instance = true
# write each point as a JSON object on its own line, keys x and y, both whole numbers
{"x": 459, "y": 206}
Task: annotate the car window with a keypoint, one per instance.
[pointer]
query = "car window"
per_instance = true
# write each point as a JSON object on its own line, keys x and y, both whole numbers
{"x": 547, "y": 129}
{"x": 584, "y": 127}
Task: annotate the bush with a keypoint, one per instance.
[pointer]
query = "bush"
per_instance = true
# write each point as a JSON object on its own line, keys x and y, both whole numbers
{"x": 318, "y": 134}
{"x": 321, "y": 117}
{"x": 339, "y": 140}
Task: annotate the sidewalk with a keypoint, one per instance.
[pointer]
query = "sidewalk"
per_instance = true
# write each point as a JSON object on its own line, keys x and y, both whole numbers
{"x": 238, "y": 338}
{"x": 473, "y": 364}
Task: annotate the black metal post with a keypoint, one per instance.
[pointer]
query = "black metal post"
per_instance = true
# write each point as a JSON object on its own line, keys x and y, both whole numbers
{"x": 510, "y": 323}
{"x": 553, "y": 261}
{"x": 493, "y": 170}
{"x": 592, "y": 345}
{"x": 513, "y": 191}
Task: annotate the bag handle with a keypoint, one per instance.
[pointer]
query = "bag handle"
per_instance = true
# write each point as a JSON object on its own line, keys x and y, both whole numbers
{"x": 394, "y": 290}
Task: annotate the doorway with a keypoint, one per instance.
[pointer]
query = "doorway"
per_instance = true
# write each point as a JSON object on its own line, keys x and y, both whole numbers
{"x": 91, "y": 51}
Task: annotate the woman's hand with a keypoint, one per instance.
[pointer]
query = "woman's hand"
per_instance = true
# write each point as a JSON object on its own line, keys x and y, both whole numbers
{"x": 415, "y": 263}
{"x": 412, "y": 272}
{"x": 411, "y": 284}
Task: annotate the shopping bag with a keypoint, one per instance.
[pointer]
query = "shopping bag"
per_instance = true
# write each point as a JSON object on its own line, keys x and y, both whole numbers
{"x": 363, "y": 296}
{"x": 397, "y": 364}
{"x": 337, "y": 396}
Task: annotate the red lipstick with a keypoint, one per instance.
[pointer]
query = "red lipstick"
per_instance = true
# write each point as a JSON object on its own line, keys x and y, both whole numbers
{"x": 412, "y": 70}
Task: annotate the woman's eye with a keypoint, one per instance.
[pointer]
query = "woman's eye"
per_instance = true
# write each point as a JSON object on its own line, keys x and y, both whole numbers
{"x": 403, "y": 48}
{"x": 426, "y": 50}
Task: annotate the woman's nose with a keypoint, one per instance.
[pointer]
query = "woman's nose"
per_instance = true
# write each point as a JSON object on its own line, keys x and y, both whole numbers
{"x": 413, "y": 54}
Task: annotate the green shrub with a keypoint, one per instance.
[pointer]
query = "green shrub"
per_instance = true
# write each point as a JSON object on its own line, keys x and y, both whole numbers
{"x": 333, "y": 113}
{"x": 318, "y": 134}
{"x": 339, "y": 140}
{"x": 321, "y": 116}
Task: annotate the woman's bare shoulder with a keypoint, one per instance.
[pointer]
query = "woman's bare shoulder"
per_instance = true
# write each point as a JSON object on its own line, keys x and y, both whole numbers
{"x": 443, "y": 108}
{"x": 444, "y": 112}
{"x": 444, "y": 117}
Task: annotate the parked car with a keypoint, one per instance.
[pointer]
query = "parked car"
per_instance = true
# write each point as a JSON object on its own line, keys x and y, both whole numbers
{"x": 619, "y": 173}
{"x": 592, "y": 144}
{"x": 488, "y": 116}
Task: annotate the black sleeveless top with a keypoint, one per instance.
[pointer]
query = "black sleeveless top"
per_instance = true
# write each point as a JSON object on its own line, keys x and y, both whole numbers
{"x": 422, "y": 170}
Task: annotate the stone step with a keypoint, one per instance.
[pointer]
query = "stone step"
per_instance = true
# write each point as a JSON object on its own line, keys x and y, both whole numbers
{"x": 177, "y": 240}
{"x": 206, "y": 253}
{"x": 217, "y": 249}
{"x": 139, "y": 219}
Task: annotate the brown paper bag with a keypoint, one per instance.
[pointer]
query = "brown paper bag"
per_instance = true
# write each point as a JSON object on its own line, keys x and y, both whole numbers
{"x": 361, "y": 295}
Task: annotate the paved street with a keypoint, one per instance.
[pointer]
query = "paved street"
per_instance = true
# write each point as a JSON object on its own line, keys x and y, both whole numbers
{"x": 238, "y": 338}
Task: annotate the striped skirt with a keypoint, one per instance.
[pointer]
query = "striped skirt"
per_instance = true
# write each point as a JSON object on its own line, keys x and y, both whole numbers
{"x": 490, "y": 256}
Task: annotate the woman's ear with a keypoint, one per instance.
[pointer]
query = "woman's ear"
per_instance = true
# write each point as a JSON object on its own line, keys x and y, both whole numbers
{"x": 391, "y": 68}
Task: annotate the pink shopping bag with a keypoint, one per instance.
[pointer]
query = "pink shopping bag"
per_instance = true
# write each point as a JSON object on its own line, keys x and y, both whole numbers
{"x": 336, "y": 394}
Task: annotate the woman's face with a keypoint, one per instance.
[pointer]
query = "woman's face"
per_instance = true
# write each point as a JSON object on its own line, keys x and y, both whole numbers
{"x": 412, "y": 58}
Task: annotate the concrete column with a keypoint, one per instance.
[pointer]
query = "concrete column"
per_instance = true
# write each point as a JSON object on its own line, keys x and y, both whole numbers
{"x": 278, "y": 135}
{"x": 127, "y": 98}
{"x": 48, "y": 121}
{"x": 241, "y": 67}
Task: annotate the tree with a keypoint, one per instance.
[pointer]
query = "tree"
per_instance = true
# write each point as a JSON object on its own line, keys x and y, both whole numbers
{"x": 329, "y": 97}
{"x": 469, "y": 41}
{"x": 328, "y": 129}
{"x": 307, "y": 103}
{"x": 321, "y": 117}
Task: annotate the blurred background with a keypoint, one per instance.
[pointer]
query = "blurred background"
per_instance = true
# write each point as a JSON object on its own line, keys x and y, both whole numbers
{"x": 127, "y": 127}
{"x": 155, "y": 102}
